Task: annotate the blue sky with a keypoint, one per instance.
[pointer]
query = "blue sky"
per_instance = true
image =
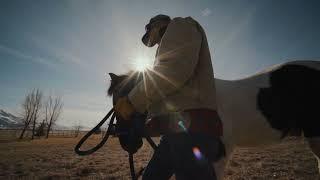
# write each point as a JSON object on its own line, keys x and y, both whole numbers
{"x": 66, "y": 47}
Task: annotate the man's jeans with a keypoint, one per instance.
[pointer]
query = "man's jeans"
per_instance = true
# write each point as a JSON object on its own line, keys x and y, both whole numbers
{"x": 188, "y": 156}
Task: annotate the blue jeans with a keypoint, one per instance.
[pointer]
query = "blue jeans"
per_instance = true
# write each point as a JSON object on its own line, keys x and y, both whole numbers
{"x": 188, "y": 156}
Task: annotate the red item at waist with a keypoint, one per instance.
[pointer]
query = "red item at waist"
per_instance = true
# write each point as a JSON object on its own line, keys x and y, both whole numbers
{"x": 204, "y": 121}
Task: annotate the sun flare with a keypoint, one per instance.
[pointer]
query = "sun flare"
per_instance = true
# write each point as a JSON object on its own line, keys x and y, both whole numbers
{"x": 141, "y": 63}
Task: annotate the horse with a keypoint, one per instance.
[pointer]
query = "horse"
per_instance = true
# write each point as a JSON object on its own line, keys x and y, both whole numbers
{"x": 265, "y": 107}
{"x": 260, "y": 109}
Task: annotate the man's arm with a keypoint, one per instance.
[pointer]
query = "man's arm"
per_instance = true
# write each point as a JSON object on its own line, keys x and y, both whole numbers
{"x": 177, "y": 58}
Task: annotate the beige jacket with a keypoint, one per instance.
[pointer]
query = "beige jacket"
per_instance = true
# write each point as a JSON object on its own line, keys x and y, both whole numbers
{"x": 182, "y": 75}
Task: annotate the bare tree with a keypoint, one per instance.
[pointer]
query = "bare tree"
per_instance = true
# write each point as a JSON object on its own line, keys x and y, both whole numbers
{"x": 31, "y": 106}
{"x": 40, "y": 130}
{"x": 77, "y": 129}
{"x": 27, "y": 113}
{"x": 53, "y": 110}
{"x": 37, "y": 105}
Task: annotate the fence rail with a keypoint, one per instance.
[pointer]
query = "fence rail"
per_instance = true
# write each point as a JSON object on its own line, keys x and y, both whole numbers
{"x": 9, "y": 134}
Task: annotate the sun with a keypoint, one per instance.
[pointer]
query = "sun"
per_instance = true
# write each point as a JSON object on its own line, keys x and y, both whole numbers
{"x": 141, "y": 63}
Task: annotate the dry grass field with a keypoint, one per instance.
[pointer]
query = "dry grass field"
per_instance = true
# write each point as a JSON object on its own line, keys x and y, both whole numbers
{"x": 54, "y": 158}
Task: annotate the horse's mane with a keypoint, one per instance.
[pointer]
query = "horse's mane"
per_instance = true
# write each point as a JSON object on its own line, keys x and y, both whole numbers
{"x": 128, "y": 80}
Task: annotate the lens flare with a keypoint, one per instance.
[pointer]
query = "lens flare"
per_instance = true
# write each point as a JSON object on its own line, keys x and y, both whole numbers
{"x": 181, "y": 124}
{"x": 197, "y": 153}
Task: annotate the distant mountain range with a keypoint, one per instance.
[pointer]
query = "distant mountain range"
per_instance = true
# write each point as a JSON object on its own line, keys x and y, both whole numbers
{"x": 8, "y": 120}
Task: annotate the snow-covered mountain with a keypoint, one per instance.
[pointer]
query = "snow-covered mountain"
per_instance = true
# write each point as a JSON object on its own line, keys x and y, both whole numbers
{"x": 8, "y": 120}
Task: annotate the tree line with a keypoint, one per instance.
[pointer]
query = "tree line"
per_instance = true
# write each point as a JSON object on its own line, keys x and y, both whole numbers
{"x": 40, "y": 113}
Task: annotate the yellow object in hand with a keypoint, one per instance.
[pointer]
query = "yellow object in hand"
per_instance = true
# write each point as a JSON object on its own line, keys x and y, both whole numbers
{"x": 124, "y": 108}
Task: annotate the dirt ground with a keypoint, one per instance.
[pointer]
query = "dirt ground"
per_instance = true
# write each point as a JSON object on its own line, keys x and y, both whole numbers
{"x": 54, "y": 159}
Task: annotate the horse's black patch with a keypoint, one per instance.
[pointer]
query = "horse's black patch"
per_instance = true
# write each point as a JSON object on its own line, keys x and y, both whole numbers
{"x": 293, "y": 99}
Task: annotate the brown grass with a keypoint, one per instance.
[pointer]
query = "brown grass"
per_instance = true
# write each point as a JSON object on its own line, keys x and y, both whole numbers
{"x": 289, "y": 160}
{"x": 54, "y": 158}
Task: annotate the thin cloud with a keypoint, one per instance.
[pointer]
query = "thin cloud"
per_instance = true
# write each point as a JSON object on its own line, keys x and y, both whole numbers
{"x": 87, "y": 101}
{"x": 61, "y": 54}
{"x": 87, "y": 118}
{"x": 243, "y": 23}
{"x": 206, "y": 12}
{"x": 21, "y": 55}
{"x": 83, "y": 108}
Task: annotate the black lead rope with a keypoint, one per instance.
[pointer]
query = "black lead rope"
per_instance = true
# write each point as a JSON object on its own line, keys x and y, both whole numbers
{"x": 151, "y": 142}
{"x": 110, "y": 131}
{"x": 102, "y": 142}
{"x": 132, "y": 171}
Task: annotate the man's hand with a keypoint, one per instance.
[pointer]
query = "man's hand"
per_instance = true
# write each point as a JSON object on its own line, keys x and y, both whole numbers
{"x": 124, "y": 108}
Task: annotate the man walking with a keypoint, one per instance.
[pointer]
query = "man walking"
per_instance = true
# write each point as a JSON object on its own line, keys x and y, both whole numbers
{"x": 178, "y": 92}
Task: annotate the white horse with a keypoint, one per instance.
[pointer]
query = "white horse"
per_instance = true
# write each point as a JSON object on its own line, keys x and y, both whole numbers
{"x": 263, "y": 108}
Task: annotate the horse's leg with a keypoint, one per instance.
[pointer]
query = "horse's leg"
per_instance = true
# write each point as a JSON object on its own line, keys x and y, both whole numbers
{"x": 314, "y": 144}
{"x": 220, "y": 165}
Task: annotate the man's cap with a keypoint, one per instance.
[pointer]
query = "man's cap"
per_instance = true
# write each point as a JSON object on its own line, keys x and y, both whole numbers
{"x": 160, "y": 17}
